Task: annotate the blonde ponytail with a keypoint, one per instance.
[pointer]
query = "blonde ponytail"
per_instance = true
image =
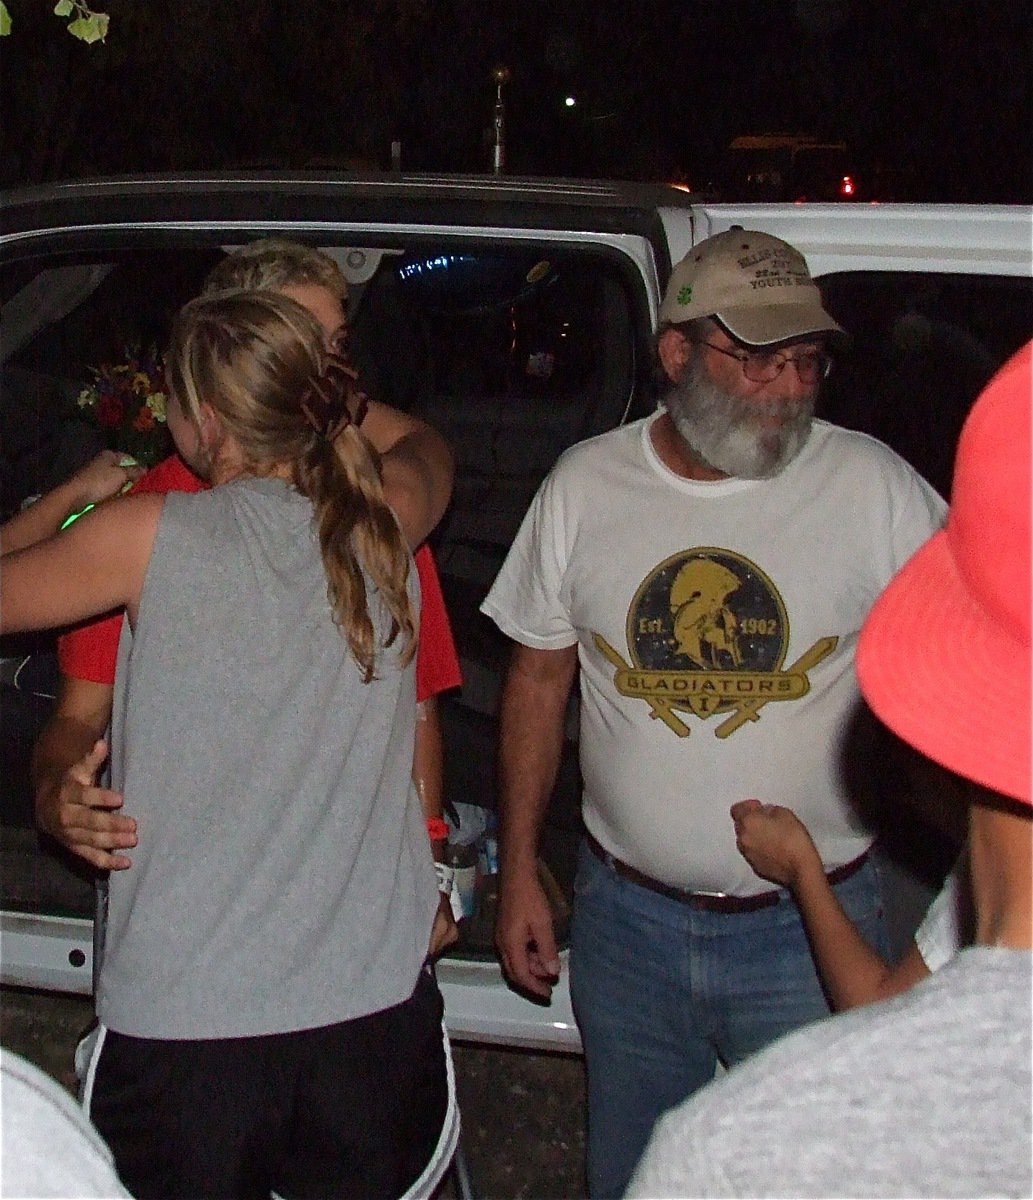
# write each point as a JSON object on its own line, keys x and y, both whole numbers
{"x": 355, "y": 525}
{"x": 257, "y": 358}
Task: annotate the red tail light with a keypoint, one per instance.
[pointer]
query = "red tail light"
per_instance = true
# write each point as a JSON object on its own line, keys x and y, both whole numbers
{"x": 846, "y": 186}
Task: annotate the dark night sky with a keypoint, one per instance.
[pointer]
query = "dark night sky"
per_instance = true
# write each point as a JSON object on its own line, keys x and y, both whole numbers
{"x": 936, "y": 89}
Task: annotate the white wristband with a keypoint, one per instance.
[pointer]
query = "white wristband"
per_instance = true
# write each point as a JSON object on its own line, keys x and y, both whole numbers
{"x": 446, "y": 877}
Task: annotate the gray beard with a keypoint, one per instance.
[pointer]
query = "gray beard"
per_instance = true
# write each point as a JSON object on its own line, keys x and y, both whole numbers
{"x": 722, "y": 431}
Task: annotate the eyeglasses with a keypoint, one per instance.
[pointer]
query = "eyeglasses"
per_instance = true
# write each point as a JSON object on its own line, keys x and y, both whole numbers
{"x": 762, "y": 366}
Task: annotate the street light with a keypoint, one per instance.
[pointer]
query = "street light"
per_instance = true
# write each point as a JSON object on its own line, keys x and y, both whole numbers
{"x": 501, "y": 75}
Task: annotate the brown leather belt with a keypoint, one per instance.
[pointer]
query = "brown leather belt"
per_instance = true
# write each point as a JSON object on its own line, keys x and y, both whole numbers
{"x": 710, "y": 901}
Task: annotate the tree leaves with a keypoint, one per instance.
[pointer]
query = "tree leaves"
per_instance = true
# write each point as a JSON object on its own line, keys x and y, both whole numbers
{"x": 88, "y": 26}
{"x": 93, "y": 28}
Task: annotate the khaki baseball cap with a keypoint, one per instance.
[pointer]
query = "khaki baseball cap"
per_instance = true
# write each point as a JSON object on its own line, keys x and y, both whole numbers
{"x": 756, "y": 285}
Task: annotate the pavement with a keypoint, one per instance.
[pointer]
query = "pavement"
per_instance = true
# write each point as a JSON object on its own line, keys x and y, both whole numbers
{"x": 522, "y": 1112}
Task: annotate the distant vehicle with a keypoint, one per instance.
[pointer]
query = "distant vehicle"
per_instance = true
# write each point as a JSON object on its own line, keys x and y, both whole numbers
{"x": 518, "y": 317}
{"x": 786, "y": 166}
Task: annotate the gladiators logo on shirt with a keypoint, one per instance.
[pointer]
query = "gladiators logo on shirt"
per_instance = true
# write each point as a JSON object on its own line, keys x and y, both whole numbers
{"x": 708, "y": 632}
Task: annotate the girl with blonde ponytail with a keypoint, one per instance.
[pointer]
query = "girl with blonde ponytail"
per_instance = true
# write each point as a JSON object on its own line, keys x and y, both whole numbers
{"x": 297, "y": 412}
{"x": 265, "y": 956}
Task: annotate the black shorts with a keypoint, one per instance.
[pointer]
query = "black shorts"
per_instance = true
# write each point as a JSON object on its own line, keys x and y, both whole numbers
{"x": 364, "y": 1108}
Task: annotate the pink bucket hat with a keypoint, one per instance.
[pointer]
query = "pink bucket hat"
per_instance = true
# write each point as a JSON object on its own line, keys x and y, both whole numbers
{"x": 944, "y": 656}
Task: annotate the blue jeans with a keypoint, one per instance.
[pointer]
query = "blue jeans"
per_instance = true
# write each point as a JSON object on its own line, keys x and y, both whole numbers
{"x": 663, "y": 991}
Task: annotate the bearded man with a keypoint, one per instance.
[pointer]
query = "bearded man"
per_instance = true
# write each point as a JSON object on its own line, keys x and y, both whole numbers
{"x": 681, "y": 956}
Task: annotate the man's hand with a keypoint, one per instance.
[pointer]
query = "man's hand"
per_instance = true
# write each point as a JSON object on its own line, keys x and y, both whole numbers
{"x": 445, "y": 930}
{"x": 111, "y": 471}
{"x": 774, "y": 841}
{"x": 531, "y": 714}
{"x": 82, "y": 816}
{"x": 525, "y": 937}
{"x": 102, "y": 477}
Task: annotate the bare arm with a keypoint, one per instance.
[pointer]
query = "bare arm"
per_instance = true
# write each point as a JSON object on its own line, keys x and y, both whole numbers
{"x": 68, "y": 755}
{"x": 427, "y": 768}
{"x": 428, "y": 758}
{"x": 96, "y": 565}
{"x": 534, "y": 701}
{"x": 417, "y": 468}
{"x": 102, "y": 477}
{"x": 778, "y": 847}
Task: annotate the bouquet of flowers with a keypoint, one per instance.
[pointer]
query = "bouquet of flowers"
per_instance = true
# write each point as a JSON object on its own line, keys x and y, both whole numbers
{"x": 126, "y": 400}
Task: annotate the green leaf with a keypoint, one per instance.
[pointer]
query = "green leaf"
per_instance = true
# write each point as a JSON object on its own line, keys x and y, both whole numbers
{"x": 63, "y": 8}
{"x": 89, "y": 29}
{"x": 5, "y": 20}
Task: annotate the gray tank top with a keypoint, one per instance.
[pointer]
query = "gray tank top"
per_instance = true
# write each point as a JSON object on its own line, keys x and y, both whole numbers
{"x": 283, "y": 877}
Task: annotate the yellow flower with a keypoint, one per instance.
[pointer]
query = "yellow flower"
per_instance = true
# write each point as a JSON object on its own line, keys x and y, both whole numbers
{"x": 156, "y": 403}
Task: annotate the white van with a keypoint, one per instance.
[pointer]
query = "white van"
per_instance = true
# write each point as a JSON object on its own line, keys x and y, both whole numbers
{"x": 517, "y": 315}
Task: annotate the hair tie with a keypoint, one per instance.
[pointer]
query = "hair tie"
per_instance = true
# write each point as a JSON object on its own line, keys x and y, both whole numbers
{"x": 325, "y": 399}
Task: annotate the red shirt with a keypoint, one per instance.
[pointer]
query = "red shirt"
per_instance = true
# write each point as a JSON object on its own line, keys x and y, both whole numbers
{"x": 89, "y": 652}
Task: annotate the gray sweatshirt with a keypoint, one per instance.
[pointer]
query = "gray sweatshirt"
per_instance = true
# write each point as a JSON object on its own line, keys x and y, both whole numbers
{"x": 927, "y": 1094}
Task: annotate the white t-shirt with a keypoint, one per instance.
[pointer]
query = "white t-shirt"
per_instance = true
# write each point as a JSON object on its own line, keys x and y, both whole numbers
{"x": 716, "y": 625}
{"x": 949, "y": 922}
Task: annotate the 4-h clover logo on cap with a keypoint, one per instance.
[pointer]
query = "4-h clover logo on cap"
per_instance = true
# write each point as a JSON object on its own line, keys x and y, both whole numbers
{"x": 685, "y": 294}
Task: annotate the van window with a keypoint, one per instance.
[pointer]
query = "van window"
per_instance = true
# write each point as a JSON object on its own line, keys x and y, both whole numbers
{"x": 513, "y": 352}
{"x": 516, "y": 355}
{"x": 922, "y": 348}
